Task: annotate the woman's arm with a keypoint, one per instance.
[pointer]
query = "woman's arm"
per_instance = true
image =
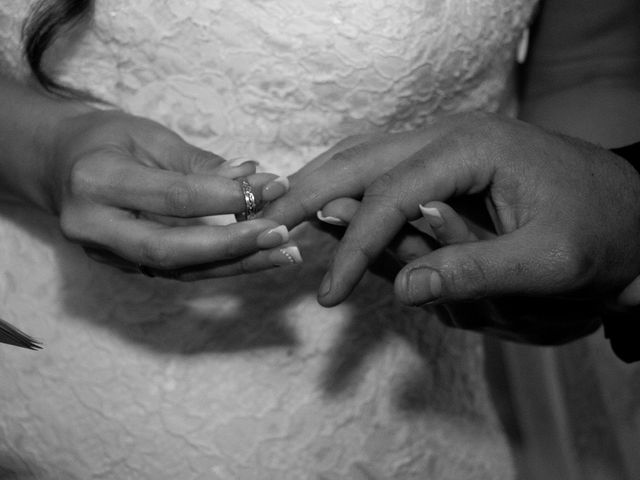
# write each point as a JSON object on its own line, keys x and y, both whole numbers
{"x": 118, "y": 182}
{"x": 28, "y": 122}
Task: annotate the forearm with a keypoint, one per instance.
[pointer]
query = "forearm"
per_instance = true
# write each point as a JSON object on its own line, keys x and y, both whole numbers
{"x": 603, "y": 113}
{"x": 28, "y": 122}
{"x": 582, "y": 77}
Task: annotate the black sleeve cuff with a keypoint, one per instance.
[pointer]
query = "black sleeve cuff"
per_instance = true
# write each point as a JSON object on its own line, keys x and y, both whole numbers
{"x": 631, "y": 153}
{"x": 623, "y": 328}
{"x": 623, "y": 331}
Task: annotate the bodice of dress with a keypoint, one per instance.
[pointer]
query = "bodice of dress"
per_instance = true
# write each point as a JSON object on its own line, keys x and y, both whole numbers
{"x": 248, "y": 378}
{"x": 274, "y": 79}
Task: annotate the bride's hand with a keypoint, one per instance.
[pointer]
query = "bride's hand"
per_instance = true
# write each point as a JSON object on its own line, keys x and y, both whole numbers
{"x": 123, "y": 184}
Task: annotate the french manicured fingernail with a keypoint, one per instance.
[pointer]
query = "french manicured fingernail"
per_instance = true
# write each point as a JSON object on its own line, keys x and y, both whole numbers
{"x": 236, "y": 162}
{"x": 273, "y": 237}
{"x": 432, "y": 215}
{"x": 419, "y": 281}
{"x": 275, "y": 189}
{"x": 330, "y": 220}
{"x": 286, "y": 256}
{"x": 325, "y": 286}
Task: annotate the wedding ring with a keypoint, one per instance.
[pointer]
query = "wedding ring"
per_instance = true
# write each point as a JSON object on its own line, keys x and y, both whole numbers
{"x": 250, "y": 209}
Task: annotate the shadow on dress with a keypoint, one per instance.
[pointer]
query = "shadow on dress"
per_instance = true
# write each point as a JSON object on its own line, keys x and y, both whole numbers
{"x": 249, "y": 312}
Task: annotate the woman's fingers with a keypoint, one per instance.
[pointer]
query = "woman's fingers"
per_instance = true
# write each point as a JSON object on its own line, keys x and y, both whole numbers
{"x": 144, "y": 242}
{"x": 282, "y": 256}
{"x": 410, "y": 242}
{"x": 118, "y": 182}
{"x": 234, "y": 169}
{"x": 338, "y": 212}
{"x": 447, "y": 226}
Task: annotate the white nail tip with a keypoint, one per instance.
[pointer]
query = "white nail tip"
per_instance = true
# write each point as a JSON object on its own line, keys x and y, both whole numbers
{"x": 430, "y": 212}
{"x": 284, "y": 181}
{"x": 292, "y": 254}
{"x": 523, "y": 47}
{"x": 236, "y": 162}
{"x": 282, "y": 231}
{"x": 330, "y": 220}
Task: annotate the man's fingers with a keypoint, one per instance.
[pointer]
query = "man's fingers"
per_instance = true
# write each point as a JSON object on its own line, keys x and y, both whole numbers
{"x": 525, "y": 262}
{"x": 393, "y": 199}
{"x": 362, "y": 243}
{"x": 345, "y": 172}
{"x": 321, "y": 159}
{"x": 409, "y": 243}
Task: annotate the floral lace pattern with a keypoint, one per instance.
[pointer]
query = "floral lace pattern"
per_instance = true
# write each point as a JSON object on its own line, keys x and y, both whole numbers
{"x": 247, "y": 378}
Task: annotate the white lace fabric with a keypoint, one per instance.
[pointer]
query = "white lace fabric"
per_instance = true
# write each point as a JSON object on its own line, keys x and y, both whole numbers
{"x": 247, "y": 378}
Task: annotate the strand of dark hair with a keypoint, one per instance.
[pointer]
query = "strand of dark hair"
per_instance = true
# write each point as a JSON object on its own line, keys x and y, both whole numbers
{"x": 47, "y": 21}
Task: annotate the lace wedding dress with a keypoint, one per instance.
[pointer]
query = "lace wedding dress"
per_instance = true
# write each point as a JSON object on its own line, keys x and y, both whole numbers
{"x": 248, "y": 378}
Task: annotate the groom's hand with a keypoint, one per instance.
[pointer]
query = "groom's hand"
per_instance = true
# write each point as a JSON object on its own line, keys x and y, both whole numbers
{"x": 567, "y": 212}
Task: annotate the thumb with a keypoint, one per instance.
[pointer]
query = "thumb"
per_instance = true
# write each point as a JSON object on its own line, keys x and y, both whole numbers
{"x": 186, "y": 158}
{"x": 516, "y": 263}
{"x": 161, "y": 147}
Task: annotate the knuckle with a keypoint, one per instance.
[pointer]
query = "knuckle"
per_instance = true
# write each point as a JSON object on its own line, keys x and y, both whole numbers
{"x": 385, "y": 192}
{"x": 245, "y": 266}
{"x": 232, "y": 246}
{"x": 345, "y": 158}
{"x": 570, "y": 266}
{"x": 82, "y": 179}
{"x": 365, "y": 250}
{"x": 481, "y": 129}
{"x": 341, "y": 158}
{"x": 469, "y": 275}
{"x": 382, "y": 186}
{"x": 156, "y": 253}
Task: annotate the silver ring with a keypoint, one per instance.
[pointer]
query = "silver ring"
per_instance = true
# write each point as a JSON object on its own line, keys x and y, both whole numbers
{"x": 250, "y": 209}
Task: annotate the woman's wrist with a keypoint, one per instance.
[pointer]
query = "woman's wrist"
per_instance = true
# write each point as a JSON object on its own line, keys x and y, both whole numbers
{"x": 32, "y": 129}
{"x": 58, "y": 128}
